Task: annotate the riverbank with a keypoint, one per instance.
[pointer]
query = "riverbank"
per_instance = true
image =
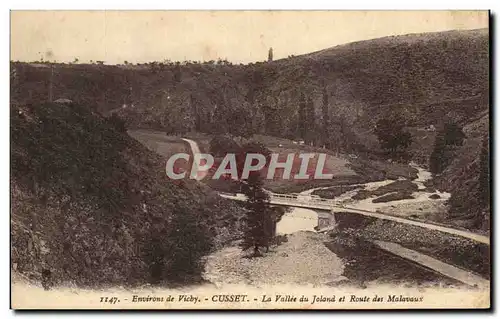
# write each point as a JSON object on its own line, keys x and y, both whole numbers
{"x": 366, "y": 264}
{"x": 302, "y": 260}
{"x": 404, "y": 197}
{"x": 462, "y": 252}
{"x": 318, "y": 260}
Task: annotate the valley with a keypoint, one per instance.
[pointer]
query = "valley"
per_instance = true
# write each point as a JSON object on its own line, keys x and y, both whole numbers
{"x": 92, "y": 205}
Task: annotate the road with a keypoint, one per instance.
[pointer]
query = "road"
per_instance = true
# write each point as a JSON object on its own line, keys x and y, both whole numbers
{"x": 303, "y": 217}
{"x": 196, "y": 150}
{"x": 448, "y": 270}
{"x": 303, "y": 210}
{"x": 284, "y": 200}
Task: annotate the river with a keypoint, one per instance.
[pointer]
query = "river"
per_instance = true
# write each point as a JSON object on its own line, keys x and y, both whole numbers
{"x": 301, "y": 219}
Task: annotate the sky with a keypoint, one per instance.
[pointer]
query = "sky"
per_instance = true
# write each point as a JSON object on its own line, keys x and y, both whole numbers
{"x": 238, "y": 36}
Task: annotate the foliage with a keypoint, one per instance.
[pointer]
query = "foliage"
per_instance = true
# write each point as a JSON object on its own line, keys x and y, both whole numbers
{"x": 260, "y": 218}
{"x": 453, "y": 134}
{"x": 366, "y": 81}
{"x": 467, "y": 178}
{"x": 393, "y": 137}
{"x": 220, "y": 145}
{"x": 484, "y": 171}
{"x": 92, "y": 206}
{"x": 302, "y": 121}
{"x": 393, "y": 197}
{"x": 256, "y": 232}
{"x": 239, "y": 122}
{"x": 189, "y": 240}
{"x": 118, "y": 123}
{"x": 447, "y": 141}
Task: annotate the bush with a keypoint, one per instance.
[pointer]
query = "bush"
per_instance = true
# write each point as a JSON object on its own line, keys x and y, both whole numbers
{"x": 221, "y": 145}
{"x": 117, "y": 122}
{"x": 187, "y": 242}
{"x": 91, "y": 206}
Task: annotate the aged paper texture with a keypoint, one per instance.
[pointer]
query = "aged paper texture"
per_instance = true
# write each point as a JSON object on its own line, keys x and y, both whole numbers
{"x": 250, "y": 160}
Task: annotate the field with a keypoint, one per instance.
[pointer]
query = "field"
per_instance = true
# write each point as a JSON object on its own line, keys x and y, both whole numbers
{"x": 160, "y": 143}
{"x": 345, "y": 169}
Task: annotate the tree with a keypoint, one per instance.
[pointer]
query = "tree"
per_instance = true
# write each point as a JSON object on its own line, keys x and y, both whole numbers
{"x": 117, "y": 122}
{"x": 438, "y": 159}
{"x": 260, "y": 217}
{"x": 155, "y": 254}
{"x": 453, "y": 134}
{"x": 302, "y": 125}
{"x": 196, "y": 112}
{"x": 447, "y": 140}
{"x": 393, "y": 137}
{"x": 470, "y": 198}
{"x": 239, "y": 122}
{"x": 484, "y": 172}
{"x": 311, "y": 135}
{"x": 337, "y": 137}
{"x": 326, "y": 119}
{"x": 221, "y": 145}
{"x": 256, "y": 219}
{"x": 187, "y": 242}
{"x": 270, "y": 55}
{"x": 272, "y": 116}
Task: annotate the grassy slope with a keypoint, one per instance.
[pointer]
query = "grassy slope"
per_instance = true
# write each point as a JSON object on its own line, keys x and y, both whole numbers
{"x": 93, "y": 206}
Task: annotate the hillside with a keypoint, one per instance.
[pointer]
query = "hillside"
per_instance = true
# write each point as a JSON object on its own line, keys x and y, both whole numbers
{"x": 92, "y": 206}
{"x": 422, "y": 76}
{"x": 468, "y": 178}
{"x": 330, "y": 98}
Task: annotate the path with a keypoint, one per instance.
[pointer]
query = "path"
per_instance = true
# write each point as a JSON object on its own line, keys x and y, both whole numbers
{"x": 322, "y": 204}
{"x": 307, "y": 217}
{"x": 196, "y": 150}
{"x": 434, "y": 264}
{"x": 302, "y": 218}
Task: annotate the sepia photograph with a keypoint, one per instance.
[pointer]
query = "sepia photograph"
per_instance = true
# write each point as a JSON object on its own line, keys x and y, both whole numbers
{"x": 228, "y": 160}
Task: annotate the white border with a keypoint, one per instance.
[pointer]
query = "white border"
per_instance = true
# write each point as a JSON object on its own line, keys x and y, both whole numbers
{"x": 257, "y": 5}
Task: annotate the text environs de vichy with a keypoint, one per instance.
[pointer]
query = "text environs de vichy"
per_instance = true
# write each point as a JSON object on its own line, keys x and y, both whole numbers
{"x": 253, "y": 162}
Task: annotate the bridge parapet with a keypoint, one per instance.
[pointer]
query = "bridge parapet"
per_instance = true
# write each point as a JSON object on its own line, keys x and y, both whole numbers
{"x": 296, "y": 200}
{"x": 331, "y": 205}
{"x": 304, "y": 198}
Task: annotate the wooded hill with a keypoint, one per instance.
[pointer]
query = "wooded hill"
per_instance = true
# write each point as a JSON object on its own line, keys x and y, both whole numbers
{"x": 93, "y": 207}
{"x": 332, "y": 97}
{"x": 423, "y": 77}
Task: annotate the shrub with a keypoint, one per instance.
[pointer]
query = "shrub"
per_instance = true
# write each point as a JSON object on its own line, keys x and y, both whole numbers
{"x": 221, "y": 145}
